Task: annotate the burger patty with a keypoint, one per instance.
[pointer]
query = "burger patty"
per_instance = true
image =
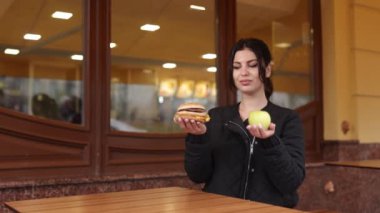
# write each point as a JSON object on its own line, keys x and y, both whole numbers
{"x": 191, "y": 110}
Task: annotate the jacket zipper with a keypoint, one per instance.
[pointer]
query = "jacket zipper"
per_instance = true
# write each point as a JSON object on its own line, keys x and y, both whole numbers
{"x": 249, "y": 166}
{"x": 249, "y": 158}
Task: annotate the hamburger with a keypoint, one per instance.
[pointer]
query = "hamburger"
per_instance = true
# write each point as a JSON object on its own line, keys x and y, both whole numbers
{"x": 192, "y": 111}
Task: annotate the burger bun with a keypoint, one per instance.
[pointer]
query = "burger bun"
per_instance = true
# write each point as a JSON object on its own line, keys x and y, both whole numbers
{"x": 192, "y": 111}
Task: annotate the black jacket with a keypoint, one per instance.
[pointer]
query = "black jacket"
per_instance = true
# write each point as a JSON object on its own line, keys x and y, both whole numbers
{"x": 230, "y": 163}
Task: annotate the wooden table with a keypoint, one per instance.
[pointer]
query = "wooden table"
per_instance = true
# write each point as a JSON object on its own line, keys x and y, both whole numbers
{"x": 172, "y": 199}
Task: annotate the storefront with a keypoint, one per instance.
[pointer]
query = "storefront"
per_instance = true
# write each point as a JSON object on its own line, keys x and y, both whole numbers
{"x": 93, "y": 93}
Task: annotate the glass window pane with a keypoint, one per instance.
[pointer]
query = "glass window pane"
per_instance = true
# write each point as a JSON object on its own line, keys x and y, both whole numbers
{"x": 145, "y": 94}
{"x": 285, "y": 27}
{"x": 38, "y": 75}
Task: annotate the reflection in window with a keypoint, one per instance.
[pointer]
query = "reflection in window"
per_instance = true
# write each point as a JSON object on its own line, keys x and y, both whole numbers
{"x": 157, "y": 67}
{"x": 41, "y": 58}
{"x": 285, "y": 27}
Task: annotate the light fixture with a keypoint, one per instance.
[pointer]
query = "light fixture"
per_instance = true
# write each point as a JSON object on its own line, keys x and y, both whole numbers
{"x": 115, "y": 80}
{"x": 61, "y": 15}
{"x": 150, "y": 27}
{"x": 169, "y": 65}
{"x": 160, "y": 99}
{"x": 209, "y": 56}
{"x": 10, "y": 51}
{"x": 147, "y": 71}
{"x": 113, "y": 45}
{"x": 31, "y": 36}
{"x": 283, "y": 45}
{"x": 212, "y": 69}
{"x": 197, "y": 7}
{"x": 77, "y": 57}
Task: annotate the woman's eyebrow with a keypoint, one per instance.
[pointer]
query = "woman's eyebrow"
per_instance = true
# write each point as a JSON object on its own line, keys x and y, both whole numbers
{"x": 252, "y": 60}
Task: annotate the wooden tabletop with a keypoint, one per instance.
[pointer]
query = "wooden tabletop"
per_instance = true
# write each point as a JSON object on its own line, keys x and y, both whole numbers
{"x": 171, "y": 199}
{"x": 372, "y": 164}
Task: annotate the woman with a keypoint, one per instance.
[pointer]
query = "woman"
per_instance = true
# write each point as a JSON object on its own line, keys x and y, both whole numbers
{"x": 247, "y": 161}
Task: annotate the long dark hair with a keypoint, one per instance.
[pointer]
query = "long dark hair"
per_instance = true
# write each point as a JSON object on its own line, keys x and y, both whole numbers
{"x": 264, "y": 58}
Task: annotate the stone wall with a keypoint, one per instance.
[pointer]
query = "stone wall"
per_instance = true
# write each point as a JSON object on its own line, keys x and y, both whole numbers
{"x": 340, "y": 188}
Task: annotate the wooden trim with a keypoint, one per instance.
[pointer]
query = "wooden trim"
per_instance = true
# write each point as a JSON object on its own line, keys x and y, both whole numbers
{"x": 340, "y": 142}
{"x": 225, "y": 38}
{"x": 349, "y": 150}
{"x": 317, "y": 72}
{"x": 146, "y": 135}
{"x": 49, "y": 130}
{"x": 309, "y": 114}
{"x": 163, "y": 144}
{"x": 97, "y": 73}
{"x": 117, "y": 157}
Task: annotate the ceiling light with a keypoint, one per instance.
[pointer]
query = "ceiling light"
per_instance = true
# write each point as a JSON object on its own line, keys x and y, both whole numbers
{"x": 169, "y": 65}
{"x": 10, "y": 51}
{"x": 115, "y": 80}
{"x": 31, "y": 36}
{"x": 147, "y": 71}
{"x": 283, "y": 45}
{"x": 211, "y": 69}
{"x": 61, "y": 15}
{"x": 196, "y": 7}
{"x": 77, "y": 57}
{"x": 150, "y": 27}
{"x": 209, "y": 56}
{"x": 113, "y": 45}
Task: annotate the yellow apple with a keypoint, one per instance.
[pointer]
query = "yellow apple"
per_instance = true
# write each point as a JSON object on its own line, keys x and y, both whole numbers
{"x": 259, "y": 117}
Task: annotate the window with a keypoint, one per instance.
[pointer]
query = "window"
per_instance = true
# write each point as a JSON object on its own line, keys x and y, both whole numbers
{"x": 286, "y": 28}
{"x": 41, "y": 58}
{"x": 156, "y": 69}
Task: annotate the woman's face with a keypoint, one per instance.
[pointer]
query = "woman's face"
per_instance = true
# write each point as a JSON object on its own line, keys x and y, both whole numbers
{"x": 246, "y": 72}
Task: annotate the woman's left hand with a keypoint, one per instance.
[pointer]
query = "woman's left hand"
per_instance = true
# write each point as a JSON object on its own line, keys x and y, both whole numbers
{"x": 260, "y": 132}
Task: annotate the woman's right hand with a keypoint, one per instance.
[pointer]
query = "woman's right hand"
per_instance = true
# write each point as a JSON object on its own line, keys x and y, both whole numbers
{"x": 191, "y": 126}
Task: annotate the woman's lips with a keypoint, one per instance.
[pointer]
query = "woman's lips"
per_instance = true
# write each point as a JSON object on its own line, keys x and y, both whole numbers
{"x": 245, "y": 82}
